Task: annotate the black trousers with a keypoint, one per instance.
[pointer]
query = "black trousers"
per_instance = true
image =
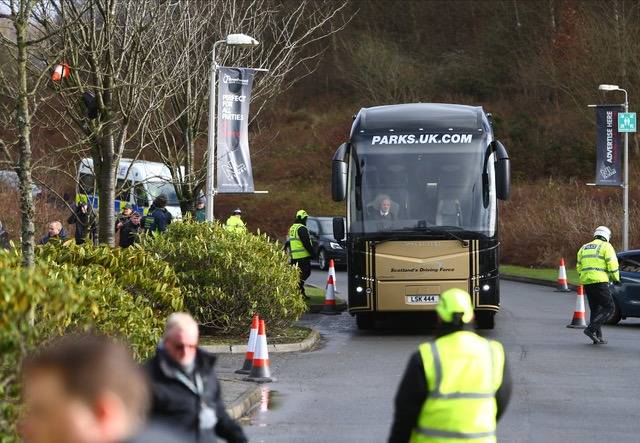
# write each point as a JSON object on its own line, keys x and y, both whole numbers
{"x": 304, "y": 265}
{"x": 600, "y": 304}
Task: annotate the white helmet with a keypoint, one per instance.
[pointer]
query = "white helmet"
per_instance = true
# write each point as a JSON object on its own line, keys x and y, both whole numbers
{"x": 602, "y": 231}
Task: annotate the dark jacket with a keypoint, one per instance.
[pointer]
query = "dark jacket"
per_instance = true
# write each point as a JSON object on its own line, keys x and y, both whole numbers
{"x": 85, "y": 226}
{"x": 61, "y": 237}
{"x": 176, "y": 406}
{"x": 158, "y": 220}
{"x": 413, "y": 392}
{"x": 130, "y": 234}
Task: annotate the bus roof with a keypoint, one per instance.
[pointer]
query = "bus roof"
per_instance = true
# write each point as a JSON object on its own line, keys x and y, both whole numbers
{"x": 138, "y": 169}
{"x": 416, "y": 116}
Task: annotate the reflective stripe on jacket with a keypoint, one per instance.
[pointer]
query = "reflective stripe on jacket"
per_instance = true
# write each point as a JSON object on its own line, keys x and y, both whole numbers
{"x": 235, "y": 224}
{"x": 597, "y": 263}
{"x": 298, "y": 251}
{"x": 464, "y": 372}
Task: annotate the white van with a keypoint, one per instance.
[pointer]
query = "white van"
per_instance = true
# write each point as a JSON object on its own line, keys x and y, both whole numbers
{"x": 138, "y": 183}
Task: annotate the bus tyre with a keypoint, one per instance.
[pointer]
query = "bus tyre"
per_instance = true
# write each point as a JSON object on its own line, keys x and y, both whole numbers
{"x": 485, "y": 319}
{"x": 366, "y": 321}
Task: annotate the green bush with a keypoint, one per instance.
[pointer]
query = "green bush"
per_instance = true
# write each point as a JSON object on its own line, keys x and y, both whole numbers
{"x": 226, "y": 277}
{"x": 52, "y": 299}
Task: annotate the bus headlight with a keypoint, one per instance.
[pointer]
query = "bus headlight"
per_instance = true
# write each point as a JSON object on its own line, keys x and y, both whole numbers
{"x": 486, "y": 287}
{"x": 335, "y": 245}
{"x": 359, "y": 289}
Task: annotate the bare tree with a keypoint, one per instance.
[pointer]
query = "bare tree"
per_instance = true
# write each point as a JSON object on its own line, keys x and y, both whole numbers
{"x": 20, "y": 96}
{"x": 114, "y": 86}
{"x": 291, "y": 36}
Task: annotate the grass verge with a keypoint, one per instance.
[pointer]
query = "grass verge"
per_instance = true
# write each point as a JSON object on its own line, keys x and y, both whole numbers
{"x": 548, "y": 274}
{"x": 293, "y": 334}
{"x": 316, "y": 296}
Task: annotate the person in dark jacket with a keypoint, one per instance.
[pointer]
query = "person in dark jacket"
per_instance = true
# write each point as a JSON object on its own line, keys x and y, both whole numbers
{"x": 199, "y": 214}
{"x": 130, "y": 231}
{"x": 158, "y": 218}
{"x": 83, "y": 218}
{"x": 473, "y": 383}
{"x": 55, "y": 232}
{"x": 124, "y": 216}
{"x": 4, "y": 238}
{"x": 185, "y": 390}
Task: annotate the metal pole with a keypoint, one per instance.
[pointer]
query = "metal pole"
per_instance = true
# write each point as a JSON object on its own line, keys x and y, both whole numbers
{"x": 625, "y": 223}
{"x": 211, "y": 140}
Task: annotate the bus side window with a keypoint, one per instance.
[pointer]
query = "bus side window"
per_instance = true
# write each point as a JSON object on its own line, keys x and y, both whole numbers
{"x": 86, "y": 184}
{"x": 141, "y": 197}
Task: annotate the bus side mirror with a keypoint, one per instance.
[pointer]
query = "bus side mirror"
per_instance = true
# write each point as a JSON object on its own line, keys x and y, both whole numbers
{"x": 339, "y": 173}
{"x": 503, "y": 172}
{"x": 338, "y": 228}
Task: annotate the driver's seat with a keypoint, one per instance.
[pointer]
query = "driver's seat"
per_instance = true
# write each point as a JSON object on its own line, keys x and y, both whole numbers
{"x": 449, "y": 213}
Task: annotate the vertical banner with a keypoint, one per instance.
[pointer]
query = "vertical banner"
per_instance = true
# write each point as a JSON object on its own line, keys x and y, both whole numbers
{"x": 234, "y": 174}
{"x": 608, "y": 146}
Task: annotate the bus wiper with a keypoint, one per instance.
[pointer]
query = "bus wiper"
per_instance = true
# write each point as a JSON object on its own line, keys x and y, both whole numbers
{"x": 444, "y": 230}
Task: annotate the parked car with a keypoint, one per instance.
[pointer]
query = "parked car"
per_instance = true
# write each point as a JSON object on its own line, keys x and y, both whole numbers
{"x": 10, "y": 179}
{"x": 626, "y": 296}
{"x": 325, "y": 247}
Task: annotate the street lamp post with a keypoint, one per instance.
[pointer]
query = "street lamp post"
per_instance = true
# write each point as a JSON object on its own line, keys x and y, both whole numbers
{"x": 241, "y": 40}
{"x": 625, "y": 185}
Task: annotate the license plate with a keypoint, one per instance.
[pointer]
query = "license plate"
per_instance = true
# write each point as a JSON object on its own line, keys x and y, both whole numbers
{"x": 422, "y": 299}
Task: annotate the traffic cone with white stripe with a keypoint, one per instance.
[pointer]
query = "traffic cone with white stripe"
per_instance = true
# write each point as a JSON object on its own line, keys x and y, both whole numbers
{"x": 329, "y": 307}
{"x": 251, "y": 347}
{"x": 260, "y": 371}
{"x": 578, "y": 321}
{"x": 332, "y": 272}
{"x": 562, "y": 277}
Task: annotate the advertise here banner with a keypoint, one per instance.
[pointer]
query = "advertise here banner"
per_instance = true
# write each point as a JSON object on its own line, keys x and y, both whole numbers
{"x": 234, "y": 174}
{"x": 608, "y": 146}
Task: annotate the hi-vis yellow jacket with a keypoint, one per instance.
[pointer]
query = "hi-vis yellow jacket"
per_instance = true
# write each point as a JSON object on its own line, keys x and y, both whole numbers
{"x": 597, "y": 263}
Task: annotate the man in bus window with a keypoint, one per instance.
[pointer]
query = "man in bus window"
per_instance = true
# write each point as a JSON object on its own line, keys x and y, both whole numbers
{"x": 383, "y": 210}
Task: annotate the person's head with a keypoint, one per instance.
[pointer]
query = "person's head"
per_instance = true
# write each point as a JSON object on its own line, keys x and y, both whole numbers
{"x": 603, "y": 233}
{"x": 385, "y": 204}
{"x": 181, "y": 338}
{"x": 54, "y": 228}
{"x": 135, "y": 218}
{"x": 82, "y": 207}
{"x": 301, "y": 216}
{"x": 160, "y": 201}
{"x": 127, "y": 210}
{"x": 454, "y": 308}
{"x": 82, "y": 389}
{"x": 237, "y": 211}
{"x": 200, "y": 204}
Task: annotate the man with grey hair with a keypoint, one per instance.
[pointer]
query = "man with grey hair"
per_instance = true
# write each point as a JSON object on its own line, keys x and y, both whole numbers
{"x": 185, "y": 390}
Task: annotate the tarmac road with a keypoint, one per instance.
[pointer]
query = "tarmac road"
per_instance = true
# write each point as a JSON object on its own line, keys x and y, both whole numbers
{"x": 565, "y": 389}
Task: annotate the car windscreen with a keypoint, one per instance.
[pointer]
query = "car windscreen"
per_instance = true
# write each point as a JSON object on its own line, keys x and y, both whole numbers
{"x": 423, "y": 187}
{"x": 163, "y": 187}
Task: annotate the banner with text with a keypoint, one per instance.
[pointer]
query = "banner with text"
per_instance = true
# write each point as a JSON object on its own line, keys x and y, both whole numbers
{"x": 234, "y": 174}
{"x": 608, "y": 146}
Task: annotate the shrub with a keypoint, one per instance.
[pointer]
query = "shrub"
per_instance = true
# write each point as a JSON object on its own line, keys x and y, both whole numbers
{"x": 132, "y": 269}
{"x": 227, "y": 277}
{"x": 40, "y": 303}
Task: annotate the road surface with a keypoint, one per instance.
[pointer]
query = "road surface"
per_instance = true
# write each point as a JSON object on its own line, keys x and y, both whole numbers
{"x": 565, "y": 389}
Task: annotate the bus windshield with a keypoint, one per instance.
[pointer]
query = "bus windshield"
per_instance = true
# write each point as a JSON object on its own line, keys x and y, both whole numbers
{"x": 424, "y": 189}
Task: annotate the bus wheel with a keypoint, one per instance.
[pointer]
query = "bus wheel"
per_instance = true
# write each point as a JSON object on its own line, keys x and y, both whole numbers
{"x": 485, "y": 319}
{"x": 366, "y": 321}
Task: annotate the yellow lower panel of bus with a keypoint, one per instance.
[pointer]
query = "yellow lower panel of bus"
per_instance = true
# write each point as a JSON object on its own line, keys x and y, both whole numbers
{"x": 414, "y": 296}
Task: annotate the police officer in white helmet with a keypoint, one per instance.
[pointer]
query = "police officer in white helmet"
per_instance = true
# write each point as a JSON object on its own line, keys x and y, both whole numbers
{"x": 597, "y": 265}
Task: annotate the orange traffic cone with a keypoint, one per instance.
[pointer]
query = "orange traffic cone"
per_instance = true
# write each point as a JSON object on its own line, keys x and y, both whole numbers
{"x": 562, "y": 277}
{"x": 332, "y": 272}
{"x": 60, "y": 71}
{"x": 251, "y": 347}
{"x": 260, "y": 368}
{"x": 578, "y": 321}
{"x": 329, "y": 307}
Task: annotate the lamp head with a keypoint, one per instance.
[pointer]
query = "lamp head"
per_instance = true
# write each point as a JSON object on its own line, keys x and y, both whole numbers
{"x": 241, "y": 40}
{"x": 608, "y": 87}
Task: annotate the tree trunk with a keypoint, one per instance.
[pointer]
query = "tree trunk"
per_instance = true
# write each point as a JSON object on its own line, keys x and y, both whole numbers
{"x": 106, "y": 188}
{"x": 27, "y": 209}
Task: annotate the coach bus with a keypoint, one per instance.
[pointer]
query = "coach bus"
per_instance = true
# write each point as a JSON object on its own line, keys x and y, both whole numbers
{"x": 421, "y": 183}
